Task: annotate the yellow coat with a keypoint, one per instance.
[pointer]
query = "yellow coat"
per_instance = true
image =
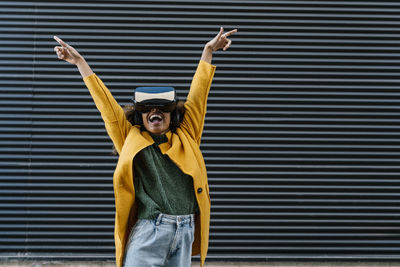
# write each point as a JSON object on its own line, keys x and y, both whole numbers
{"x": 183, "y": 147}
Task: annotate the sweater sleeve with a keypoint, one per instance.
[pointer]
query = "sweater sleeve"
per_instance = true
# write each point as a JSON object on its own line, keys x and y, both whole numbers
{"x": 196, "y": 103}
{"x": 114, "y": 118}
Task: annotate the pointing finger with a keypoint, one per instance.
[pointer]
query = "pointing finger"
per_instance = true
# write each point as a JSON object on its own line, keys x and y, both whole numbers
{"x": 231, "y": 32}
{"x": 61, "y": 42}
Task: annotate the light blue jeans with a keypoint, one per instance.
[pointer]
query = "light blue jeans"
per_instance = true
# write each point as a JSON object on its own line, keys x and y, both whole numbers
{"x": 164, "y": 242}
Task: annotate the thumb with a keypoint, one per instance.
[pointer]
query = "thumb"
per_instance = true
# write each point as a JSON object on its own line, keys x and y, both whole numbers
{"x": 221, "y": 31}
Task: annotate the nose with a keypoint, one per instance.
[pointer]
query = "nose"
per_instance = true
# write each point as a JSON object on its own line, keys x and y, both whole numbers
{"x": 157, "y": 110}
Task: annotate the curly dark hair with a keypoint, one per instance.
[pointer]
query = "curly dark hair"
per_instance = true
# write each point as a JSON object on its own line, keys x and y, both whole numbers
{"x": 132, "y": 116}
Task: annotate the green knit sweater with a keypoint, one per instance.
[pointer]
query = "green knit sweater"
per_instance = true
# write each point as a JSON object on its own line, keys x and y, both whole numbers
{"x": 160, "y": 186}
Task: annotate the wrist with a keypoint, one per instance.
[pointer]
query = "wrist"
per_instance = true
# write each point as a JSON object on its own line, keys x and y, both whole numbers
{"x": 80, "y": 60}
{"x": 209, "y": 47}
{"x": 207, "y": 53}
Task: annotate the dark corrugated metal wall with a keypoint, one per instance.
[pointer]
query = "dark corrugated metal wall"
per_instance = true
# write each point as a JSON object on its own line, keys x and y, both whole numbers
{"x": 301, "y": 138}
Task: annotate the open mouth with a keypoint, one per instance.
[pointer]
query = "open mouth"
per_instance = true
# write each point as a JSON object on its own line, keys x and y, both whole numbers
{"x": 155, "y": 118}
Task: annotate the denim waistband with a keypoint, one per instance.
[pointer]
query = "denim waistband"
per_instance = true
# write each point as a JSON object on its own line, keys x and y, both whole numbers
{"x": 175, "y": 219}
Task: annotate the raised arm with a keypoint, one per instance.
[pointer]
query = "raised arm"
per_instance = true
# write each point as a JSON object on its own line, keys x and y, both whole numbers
{"x": 69, "y": 54}
{"x": 116, "y": 124}
{"x": 218, "y": 42}
{"x": 196, "y": 103}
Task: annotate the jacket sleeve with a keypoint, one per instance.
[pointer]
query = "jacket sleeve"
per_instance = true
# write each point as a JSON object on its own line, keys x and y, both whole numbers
{"x": 116, "y": 124}
{"x": 196, "y": 103}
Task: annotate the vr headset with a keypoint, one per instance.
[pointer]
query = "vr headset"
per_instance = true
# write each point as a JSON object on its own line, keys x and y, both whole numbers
{"x": 161, "y": 98}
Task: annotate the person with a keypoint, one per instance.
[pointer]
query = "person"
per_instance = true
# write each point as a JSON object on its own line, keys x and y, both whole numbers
{"x": 161, "y": 191}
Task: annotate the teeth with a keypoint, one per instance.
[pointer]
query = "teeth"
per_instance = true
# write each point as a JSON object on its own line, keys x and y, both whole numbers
{"x": 155, "y": 116}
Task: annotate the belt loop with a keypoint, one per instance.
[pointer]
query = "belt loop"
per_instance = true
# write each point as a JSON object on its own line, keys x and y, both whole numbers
{"x": 191, "y": 220}
{"x": 159, "y": 218}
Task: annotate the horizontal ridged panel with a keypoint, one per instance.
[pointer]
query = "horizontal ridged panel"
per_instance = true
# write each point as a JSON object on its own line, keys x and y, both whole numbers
{"x": 301, "y": 139}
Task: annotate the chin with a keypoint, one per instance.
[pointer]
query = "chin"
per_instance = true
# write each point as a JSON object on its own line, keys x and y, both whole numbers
{"x": 158, "y": 131}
